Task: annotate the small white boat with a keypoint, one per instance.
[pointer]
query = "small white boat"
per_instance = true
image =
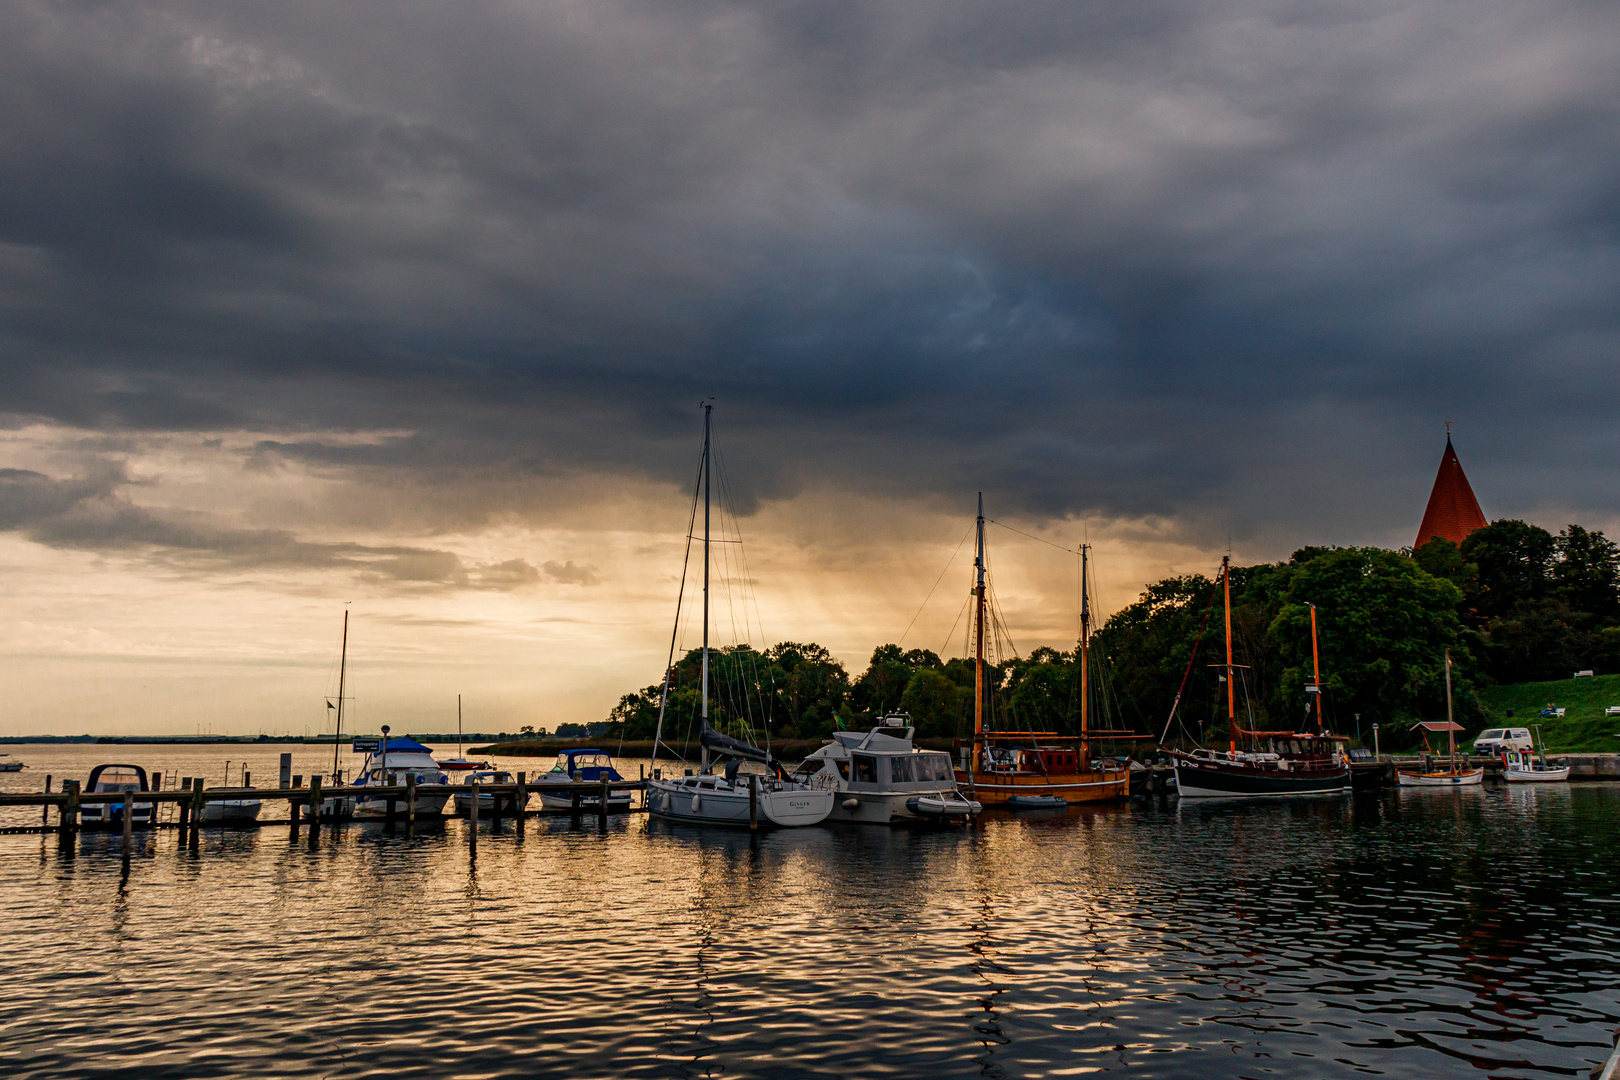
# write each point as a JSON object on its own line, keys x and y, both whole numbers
{"x": 9, "y": 764}
{"x": 125, "y": 778}
{"x": 1453, "y": 775}
{"x": 486, "y": 799}
{"x": 237, "y": 810}
{"x": 1531, "y": 767}
{"x": 1447, "y": 778}
{"x": 878, "y": 778}
{"x": 582, "y": 766}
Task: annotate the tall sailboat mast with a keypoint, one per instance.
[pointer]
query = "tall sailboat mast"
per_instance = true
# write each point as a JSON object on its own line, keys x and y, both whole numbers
{"x": 1231, "y": 694}
{"x": 458, "y": 726}
{"x": 343, "y": 667}
{"x": 707, "y": 409}
{"x": 1085, "y": 658}
{"x": 978, "y": 632}
{"x": 1451, "y": 731}
{"x": 1316, "y": 672}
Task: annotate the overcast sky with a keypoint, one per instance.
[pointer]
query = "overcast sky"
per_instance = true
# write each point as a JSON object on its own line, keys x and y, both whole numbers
{"x": 411, "y": 306}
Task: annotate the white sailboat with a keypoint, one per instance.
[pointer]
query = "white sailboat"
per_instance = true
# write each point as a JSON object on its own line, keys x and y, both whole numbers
{"x": 753, "y": 788}
{"x": 1452, "y": 775}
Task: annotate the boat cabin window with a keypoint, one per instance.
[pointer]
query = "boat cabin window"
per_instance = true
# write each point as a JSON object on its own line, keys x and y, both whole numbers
{"x": 865, "y": 769}
{"x": 902, "y": 770}
{"x": 810, "y": 766}
{"x": 934, "y": 766}
{"x": 843, "y": 769}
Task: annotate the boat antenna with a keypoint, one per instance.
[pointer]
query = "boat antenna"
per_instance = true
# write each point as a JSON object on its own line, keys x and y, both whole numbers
{"x": 708, "y": 409}
{"x": 978, "y": 642}
{"x": 459, "y": 754}
{"x": 343, "y": 667}
{"x": 1231, "y": 693}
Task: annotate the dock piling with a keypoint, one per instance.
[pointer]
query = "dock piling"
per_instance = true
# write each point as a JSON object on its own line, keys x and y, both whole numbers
{"x": 293, "y": 812}
{"x": 185, "y": 819}
{"x": 410, "y": 803}
{"x": 314, "y": 810}
{"x": 286, "y": 770}
{"x": 129, "y": 822}
{"x": 601, "y": 805}
{"x": 753, "y": 802}
{"x": 472, "y": 823}
{"x": 69, "y": 823}
{"x": 521, "y": 801}
{"x": 196, "y": 811}
{"x": 45, "y": 808}
{"x": 573, "y": 809}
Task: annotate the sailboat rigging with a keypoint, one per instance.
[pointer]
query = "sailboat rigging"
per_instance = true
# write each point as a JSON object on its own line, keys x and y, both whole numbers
{"x": 1017, "y": 769}
{"x": 1452, "y": 775}
{"x": 731, "y": 798}
{"x": 1276, "y": 763}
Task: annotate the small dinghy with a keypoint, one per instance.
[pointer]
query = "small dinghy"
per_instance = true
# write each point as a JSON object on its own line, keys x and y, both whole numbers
{"x": 1035, "y": 802}
{"x": 240, "y": 809}
{"x": 9, "y": 764}
{"x": 946, "y": 804}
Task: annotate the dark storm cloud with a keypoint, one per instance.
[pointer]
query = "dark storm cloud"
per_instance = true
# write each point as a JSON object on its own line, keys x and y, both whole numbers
{"x": 1134, "y": 259}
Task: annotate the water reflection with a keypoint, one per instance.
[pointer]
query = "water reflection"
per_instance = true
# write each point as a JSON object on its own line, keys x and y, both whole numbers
{"x": 1450, "y": 933}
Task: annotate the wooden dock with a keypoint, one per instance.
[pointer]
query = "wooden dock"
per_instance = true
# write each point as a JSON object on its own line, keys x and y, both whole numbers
{"x": 401, "y": 801}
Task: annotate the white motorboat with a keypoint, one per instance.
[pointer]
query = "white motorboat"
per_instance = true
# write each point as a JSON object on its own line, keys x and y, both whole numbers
{"x": 233, "y": 810}
{"x": 10, "y": 764}
{"x": 582, "y": 766}
{"x": 388, "y": 763}
{"x": 486, "y": 799}
{"x": 1532, "y": 767}
{"x": 878, "y": 777}
{"x": 124, "y": 778}
{"x": 768, "y": 798}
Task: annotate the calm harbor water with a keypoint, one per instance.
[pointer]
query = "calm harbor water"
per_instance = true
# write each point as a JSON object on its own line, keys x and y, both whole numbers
{"x": 1402, "y": 934}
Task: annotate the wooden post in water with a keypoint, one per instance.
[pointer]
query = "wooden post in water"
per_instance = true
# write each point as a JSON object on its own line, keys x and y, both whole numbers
{"x": 472, "y": 822}
{"x": 314, "y": 809}
{"x": 294, "y": 810}
{"x": 69, "y": 822}
{"x": 495, "y": 810}
{"x": 521, "y": 801}
{"x": 45, "y": 808}
{"x": 573, "y": 811}
{"x": 410, "y": 802}
{"x": 389, "y": 816}
{"x": 196, "y": 810}
{"x": 753, "y": 802}
{"x": 185, "y": 785}
{"x": 601, "y": 808}
{"x": 129, "y": 820}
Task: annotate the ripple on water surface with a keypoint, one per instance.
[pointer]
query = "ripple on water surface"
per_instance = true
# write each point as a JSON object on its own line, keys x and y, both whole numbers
{"x": 1463, "y": 934}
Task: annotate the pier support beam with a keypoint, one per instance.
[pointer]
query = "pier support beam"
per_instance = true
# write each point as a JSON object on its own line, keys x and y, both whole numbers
{"x": 601, "y": 807}
{"x": 472, "y": 823}
{"x": 314, "y": 810}
{"x": 753, "y": 802}
{"x": 410, "y": 804}
{"x": 521, "y": 801}
{"x": 69, "y": 823}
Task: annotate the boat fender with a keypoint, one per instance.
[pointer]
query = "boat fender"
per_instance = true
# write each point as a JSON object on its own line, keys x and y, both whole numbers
{"x": 697, "y": 803}
{"x": 852, "y": 804}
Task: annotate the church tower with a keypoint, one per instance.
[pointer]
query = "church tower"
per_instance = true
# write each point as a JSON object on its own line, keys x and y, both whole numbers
{"x": 1453, "y": 512}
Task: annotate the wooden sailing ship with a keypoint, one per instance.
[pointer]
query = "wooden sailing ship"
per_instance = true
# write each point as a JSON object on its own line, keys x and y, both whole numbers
{"x": 1272, "y": 763}
{"x": 1033, "y": 768}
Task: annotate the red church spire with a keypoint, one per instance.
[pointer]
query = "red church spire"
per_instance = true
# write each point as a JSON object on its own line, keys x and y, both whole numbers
{"x": 1453, "y": 512}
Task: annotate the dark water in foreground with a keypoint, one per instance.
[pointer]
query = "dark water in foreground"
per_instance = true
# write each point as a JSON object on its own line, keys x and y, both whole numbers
{"x": 1404, "y": 934}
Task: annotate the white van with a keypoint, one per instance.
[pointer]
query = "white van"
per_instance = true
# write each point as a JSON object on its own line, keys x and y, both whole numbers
{"x": 1497, "y": 739}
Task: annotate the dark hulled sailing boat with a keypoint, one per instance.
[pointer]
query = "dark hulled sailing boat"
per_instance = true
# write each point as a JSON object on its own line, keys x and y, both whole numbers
{"x": 1276, "y": 763}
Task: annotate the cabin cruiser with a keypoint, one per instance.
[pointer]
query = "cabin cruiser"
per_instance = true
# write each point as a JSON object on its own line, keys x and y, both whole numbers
{"x": 878, "y": 777}
{"x": 486, "y": 799}
{"x": 238, "y": 807}
{"x": 582, "y": 766}
{"x": 387, "y": 766}
{"x": 130, "y": 778}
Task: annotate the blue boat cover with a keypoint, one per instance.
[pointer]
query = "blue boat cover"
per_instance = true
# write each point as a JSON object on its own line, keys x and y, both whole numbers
{"x": 571, "y": 753}
{"x": 407, "y": 746}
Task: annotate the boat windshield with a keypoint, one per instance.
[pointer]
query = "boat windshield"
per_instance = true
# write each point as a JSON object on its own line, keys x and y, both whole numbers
{"x": 933, "y": 766}
{"x": 118, "y": 780}
{"x": 865, "y": 769}
{"x": 902, "y": 770}
{"x": 810, "y": 766}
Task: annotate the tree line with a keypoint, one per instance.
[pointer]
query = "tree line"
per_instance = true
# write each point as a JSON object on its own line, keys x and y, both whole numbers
{"x": 1513, "y": 603}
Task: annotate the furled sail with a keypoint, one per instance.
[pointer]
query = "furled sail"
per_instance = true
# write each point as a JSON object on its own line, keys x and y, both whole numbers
{"x": 725, "y": 744}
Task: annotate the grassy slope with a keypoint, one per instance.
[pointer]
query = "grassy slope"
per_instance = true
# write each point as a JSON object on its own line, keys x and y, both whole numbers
{"x": 1583, "y": 728}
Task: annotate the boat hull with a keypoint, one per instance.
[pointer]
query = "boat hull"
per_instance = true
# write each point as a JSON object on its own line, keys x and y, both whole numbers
{"x": 230, "y": 811}
{"x": 618, "y": 801}
{"x": 372, "y": 808}
{"x": 486, "y": 805}
{"x": 1466, "y": 778}
{"x": 1209, "y": 781}
{"x": 997, "y": 789}
{"x": 1557, "y": 775}
{"x": 898, "y": 807}
{"x": 729, "y": 806}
